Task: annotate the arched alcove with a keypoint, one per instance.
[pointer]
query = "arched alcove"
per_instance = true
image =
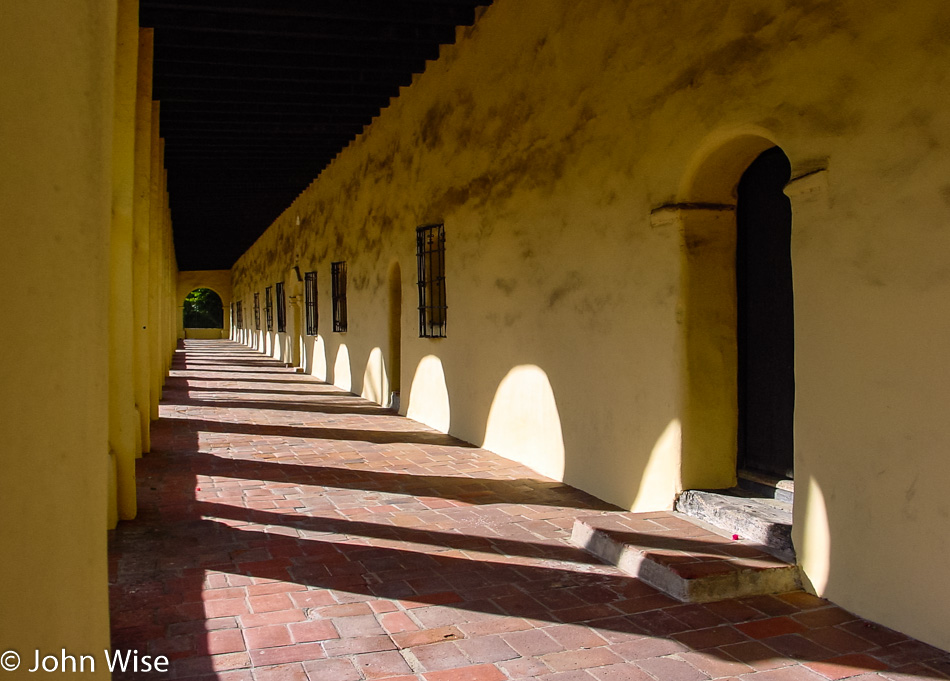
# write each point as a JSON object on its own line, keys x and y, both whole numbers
{"x": 711, "y": 295}
{"x": 395, "y": 333}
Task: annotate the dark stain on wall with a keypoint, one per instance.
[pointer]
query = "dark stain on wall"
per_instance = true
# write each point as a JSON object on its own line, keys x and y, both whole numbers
{"x": 829, "y": 118}
{"x": 508, "y": 319}
{"x": 467, "y": 133}
{"x": 572, "y": 282}
{"x": 477, "y": 191}
{"x": 826, "y": 117}
{"x": 359, "y": 281}
{"x": 746, "y": 52}
{"x": 754, "y": 53}
{"x": 756, "y": 21}
{"x": 430, "y": 132}
{"x": 922, "y": 122}
{"x": 937, "y": 39}
{"x": 506, "y": 285}
{"x": 537, "y": 166}
{"x": 381, "y": 167}
{"x": 510, "y": 119}
{"x": 592, "y": 306}
{"x": 945, "y": 193}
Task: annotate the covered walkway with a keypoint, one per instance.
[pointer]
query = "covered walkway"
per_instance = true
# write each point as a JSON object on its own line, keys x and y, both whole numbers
{"x": 289, "y": 530}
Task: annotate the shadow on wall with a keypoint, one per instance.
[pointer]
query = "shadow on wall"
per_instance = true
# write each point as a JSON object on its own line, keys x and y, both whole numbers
{"x": 429, "y": 395}
{"x": 342, "y": 376}
{"x": 524, "y": 424}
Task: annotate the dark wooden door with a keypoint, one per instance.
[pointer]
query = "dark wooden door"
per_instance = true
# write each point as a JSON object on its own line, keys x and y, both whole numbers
{"x": 765, "y": 333}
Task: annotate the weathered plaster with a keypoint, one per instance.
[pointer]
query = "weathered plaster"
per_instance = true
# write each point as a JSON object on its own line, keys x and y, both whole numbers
{"x": 546, "y": 137}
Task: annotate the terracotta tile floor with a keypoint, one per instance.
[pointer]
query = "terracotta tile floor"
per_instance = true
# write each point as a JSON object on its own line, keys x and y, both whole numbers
{"x": 289, "y": 530}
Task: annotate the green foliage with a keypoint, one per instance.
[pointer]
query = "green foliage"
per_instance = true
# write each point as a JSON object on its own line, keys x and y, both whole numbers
{"x": 203, "y": 310}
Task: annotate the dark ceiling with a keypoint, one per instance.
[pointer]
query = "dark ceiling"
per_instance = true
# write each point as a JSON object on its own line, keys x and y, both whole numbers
{"x": 258, "y": 96}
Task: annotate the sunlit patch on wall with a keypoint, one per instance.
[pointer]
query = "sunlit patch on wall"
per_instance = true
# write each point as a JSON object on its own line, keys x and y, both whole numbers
{"x": 375, "y": 380}
{"x": 316, "y": 357}
{"x": 429, "y": 396}
{"x": 524, "y": 423}
{"x": 658, "y": 481}
{"x": 814, "y": 549}
{"x": 341, "y": 369}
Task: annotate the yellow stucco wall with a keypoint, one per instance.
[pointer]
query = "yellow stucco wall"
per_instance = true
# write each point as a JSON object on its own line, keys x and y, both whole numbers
{"x": 284, "y": 346}
{"x": 572, "y": 151}
{"x": 56, "y": 193}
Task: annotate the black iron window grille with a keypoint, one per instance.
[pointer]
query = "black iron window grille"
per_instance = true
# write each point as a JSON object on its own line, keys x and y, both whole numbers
{"x": 281, "y": 308}
{"x": 269, "y": 308}
{"x": 239, "y": 316}
{"x": 257, "y": 311}
{"x": 430, "y": 258}
{"x": 233, "y": 317}
{"x": 310, "y": 302}
{"x": 338, "y": 285}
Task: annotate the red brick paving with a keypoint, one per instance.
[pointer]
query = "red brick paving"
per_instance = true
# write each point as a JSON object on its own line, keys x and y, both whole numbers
{"x": 291, "y": 531}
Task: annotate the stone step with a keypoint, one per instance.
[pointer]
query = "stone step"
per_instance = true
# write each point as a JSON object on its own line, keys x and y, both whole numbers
{"x": 782, "y": 489}
{"x": 683, "y": 557}
{"x": 766, "y": 522}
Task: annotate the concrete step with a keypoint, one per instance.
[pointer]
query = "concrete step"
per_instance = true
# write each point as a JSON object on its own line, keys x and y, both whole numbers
{"x": 766, "y": 522}
{"x": 684, "y": 557}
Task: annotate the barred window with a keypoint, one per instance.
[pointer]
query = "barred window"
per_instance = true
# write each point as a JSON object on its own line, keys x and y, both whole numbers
{"x": 269, "y": 308}
{"x": 281, "y": 308}
{"x": 257, "y": 311}
{"x": 233, "y": 317}
{"x": 338, "y": 286}
{"x": 239, "y": 317}
{"x": 310, "y": 302}
{"x": 430, "y": 258}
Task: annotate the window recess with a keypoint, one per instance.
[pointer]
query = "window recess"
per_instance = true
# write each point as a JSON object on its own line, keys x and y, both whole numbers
{"x": 430, "y": 260}
{"x": 338, "y": 285}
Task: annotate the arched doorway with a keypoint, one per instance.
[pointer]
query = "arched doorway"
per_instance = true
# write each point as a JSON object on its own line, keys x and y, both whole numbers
{"x": 765, "y": 318}
{"x": 737, "y": 333}
{"x": 712, "y": 292}
{"x": 395, "y": 333}
{"x": 202, "y": 314}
